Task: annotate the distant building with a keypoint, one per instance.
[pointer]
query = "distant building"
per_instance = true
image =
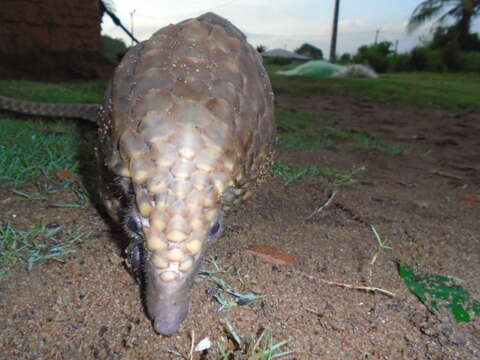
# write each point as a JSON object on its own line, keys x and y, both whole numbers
{"x": 282, "y": 53}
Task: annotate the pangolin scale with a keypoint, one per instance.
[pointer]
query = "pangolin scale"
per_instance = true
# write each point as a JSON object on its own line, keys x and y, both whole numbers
{"x": 186, "y": 130}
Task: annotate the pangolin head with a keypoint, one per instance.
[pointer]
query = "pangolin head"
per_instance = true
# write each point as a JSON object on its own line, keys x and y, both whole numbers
{"x": 177, "y": 178}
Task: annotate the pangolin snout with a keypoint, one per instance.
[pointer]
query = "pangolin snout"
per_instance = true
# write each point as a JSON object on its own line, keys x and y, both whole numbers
{"x": 167, "y": 302}
{"x": 167, "y": 321}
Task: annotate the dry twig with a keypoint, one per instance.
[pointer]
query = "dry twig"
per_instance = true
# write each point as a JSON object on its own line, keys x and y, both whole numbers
{"x": 192, "y": 335}
{"x": 318, "y": 210}
{"x": 349, "y": 286}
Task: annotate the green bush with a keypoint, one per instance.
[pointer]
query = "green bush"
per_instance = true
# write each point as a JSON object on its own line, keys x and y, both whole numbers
{"x": 419, "y": 59}
{"x": 442, "y": 54}
{"x": 399, "y": 62}
{"x": 374, "y": 55}
{"x": 471, "y": 61}
{"x": 113, "y": 49}
{"x": 452, "y": 58}
{"x": 345, "y": 59}
{"x": 423, "y": 58}
{"x": 311, "y": 51}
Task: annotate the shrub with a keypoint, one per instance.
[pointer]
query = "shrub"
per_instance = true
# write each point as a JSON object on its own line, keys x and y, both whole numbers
{"x": 440, "y": 55}
{"x": 311, "y": 51}
{"x": 452, "y": 58}
{"x": 374, "y": 55}
{"x": 112, "y": 48}
{"x": 471, "y": 61}
{"x": 345, "y": 59}
{"x": 399, "y": 62}
{"x": 419, "y": 58}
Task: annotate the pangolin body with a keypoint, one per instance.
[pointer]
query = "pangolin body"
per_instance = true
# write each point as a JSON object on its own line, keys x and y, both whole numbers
{"x": 187, "y": 127}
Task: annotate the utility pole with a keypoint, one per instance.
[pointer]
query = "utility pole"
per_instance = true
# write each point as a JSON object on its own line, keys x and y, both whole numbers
{"x": 333, "y": 43}
{"x": 396, "y": 46}
{"x": 131, "y": 22}
{"x": 376, "y": 35}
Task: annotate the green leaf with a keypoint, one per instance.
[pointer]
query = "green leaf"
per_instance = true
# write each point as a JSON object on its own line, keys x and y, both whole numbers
{"x": 459, "y": 313}
{"x": 440, "y": 291}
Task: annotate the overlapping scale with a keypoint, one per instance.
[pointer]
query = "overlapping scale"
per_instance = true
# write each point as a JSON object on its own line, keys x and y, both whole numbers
{"x": 189, "y": 117}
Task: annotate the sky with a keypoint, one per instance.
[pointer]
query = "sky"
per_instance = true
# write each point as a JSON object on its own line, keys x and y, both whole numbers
{"x": 285, "y": 24}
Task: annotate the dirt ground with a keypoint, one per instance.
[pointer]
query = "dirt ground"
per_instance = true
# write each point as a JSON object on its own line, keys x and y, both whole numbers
{"x": 89, "y": 307}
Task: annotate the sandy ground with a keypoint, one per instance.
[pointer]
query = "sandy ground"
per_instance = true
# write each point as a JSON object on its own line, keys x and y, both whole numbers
{"x": 89, "y": 307}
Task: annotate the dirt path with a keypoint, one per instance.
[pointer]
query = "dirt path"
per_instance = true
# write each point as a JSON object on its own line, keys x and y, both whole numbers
{"x": 89, "y": 307}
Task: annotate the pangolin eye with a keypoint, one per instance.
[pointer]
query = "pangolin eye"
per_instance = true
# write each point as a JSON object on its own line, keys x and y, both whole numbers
{"x": 214, "y": 229}
{"x": 133, "y": 226}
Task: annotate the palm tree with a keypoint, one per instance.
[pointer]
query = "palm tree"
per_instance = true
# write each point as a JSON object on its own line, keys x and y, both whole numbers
{"x": 461, "y": 11}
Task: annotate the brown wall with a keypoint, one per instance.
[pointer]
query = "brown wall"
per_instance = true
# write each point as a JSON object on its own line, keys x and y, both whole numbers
{"x": 51, "y": 39}
{"x": 27, "y": 26}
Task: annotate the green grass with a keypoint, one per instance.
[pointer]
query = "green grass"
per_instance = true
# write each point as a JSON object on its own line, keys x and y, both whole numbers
{"x": 46, "y": 190}
{"x": 30, "y": 149}
{"x": 81, "y": 92}
{"x": 259, "y": 346}
{"x": 224, "y": 293}
{"x": 47, "y": 241}
{"x": 252, "y": 347}
{"x": 450, "y": 91}
{"x": 33, "y": 152}
{"x": 300, "y": 130}
{"x": 290, "y": 173}
{"x": 306, "y": 130}
{"x": 365, "y": 140}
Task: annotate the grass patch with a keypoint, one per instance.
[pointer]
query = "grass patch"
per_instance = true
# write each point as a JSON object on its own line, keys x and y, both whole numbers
{"x": 291, "y": 173}
{"x": 46, "y": 190}
{"x": 451, "y": 90}
{"x": 439, "y": 291}
{"x": 363, "y": 139}
{"x": 224, "y": 293}
{"x": 33, "y": 148}
{"x": 47, "y": 241}
{"x": 75, "y": 92}
{"x": 261, "y": 347}
{"x": 305, "y": 130}
{"x": 254, "y": 347}
{"x": 299, "y": 130}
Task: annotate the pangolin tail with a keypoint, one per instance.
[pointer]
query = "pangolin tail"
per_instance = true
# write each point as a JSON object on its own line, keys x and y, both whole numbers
{"x": 89, "y": 112}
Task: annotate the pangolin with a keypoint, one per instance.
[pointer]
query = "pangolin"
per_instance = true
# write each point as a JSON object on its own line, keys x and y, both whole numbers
{"x": 185, "y": 131}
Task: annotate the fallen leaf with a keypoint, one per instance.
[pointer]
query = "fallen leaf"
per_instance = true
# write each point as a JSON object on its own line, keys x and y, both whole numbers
{"x": 272, "y": 255}
{"x": 63, "y": 174}
{"x": 472, "y": 197}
